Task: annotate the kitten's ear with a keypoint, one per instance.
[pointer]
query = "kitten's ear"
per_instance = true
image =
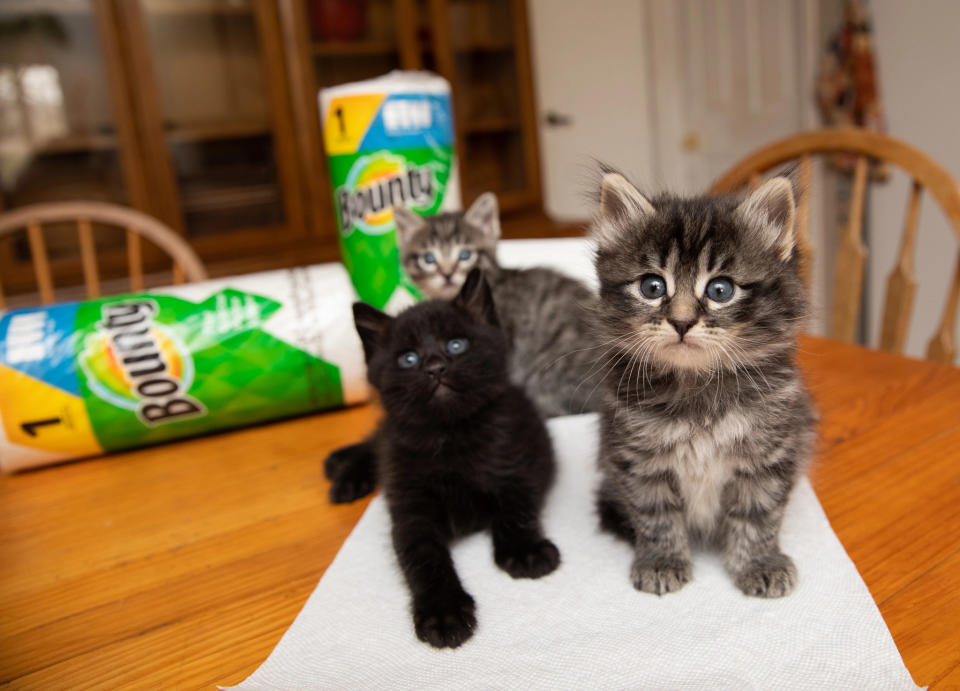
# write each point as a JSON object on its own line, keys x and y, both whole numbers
{"x": 371, "y": 324}
{"x": 484, "y": 215}
{"x": 770, "y": 211}
{"x": 621, "y": 204}
{"x": 408, "y": 223}
{"x": 476, "y": 298}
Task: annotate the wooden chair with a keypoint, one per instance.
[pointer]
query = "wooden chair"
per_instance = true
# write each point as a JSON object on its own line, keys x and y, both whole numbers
{"x": 851, "y": 255}
{"x": 186, "y": 264}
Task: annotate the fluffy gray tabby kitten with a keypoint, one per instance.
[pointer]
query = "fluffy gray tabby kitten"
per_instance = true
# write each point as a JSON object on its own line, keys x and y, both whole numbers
{"x": 545, "y": 314}
{"x": 706, "y": 424}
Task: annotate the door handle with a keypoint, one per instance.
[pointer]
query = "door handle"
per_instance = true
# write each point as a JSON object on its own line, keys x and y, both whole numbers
{"x": 555, "y": 119}
{"x": 691, "y": 142}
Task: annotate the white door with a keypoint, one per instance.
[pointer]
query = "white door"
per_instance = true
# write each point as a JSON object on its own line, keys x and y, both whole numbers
{"x": 672, "y": 92}
{"x": 593, "y": 97}
{"x": 730, "y": 76}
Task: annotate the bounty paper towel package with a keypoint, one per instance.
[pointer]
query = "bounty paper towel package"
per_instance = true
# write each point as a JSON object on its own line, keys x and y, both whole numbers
{"x": 81, "y": 378}
{"x": 389, "y": 142}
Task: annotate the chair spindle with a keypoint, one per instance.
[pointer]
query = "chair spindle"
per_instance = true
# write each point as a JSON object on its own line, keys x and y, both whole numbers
{"x": 803, "y": 222}
{"x": 134, "y": 260}
{"x": 851, "y": 259}
{"x": 942, "y": 346}
{"x": 88, "y": 253}
{"x": 902, "y": 283}
{"x": 41, "y": 266}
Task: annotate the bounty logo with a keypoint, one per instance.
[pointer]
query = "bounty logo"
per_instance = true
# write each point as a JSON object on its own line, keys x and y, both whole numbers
{"x": 374, "y": 185}
{"x": 136, "y": 364}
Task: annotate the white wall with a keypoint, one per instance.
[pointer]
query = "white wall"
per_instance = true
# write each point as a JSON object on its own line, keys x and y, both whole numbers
{"x": 919, "y": 59}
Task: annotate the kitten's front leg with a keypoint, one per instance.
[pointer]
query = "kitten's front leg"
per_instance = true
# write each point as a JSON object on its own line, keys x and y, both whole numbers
{"x": 653, "y": 504}
{"x": 352, "y": 471}
{"x": 443, "y": 612}
{"x": 519, "y": 547}
{"x": 754, "y": 503}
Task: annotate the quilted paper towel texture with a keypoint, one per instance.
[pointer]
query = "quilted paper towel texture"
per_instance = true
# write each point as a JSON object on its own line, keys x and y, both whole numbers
{"x": 584, "y": 626}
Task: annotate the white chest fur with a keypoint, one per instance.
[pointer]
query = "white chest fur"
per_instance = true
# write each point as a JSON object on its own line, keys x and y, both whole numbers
{"x": 703, "y": 464}
{"x": 702, "y": 472}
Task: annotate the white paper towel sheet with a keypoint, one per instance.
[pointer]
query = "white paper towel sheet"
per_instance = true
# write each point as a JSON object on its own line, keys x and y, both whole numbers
{"x": 584, "y": 626}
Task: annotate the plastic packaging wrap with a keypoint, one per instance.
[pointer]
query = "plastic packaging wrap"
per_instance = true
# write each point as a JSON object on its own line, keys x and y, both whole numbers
{"x": 81, "y": 378}
{"x": 389, "y": 141}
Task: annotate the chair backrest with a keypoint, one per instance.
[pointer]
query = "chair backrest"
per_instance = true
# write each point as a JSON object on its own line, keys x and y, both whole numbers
{"x": 851, "y": 253}
{"x": 186, "y": 265}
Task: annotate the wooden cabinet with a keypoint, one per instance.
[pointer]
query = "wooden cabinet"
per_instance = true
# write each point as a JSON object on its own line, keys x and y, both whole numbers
{"x": 481, "y": 47}
{"x": 214, "y": 112}
{"x": 66, "y": 127}
{"x": 204, "y": 112}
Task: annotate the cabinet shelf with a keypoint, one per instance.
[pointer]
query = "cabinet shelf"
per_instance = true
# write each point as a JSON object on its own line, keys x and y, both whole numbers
{"x": 348, "y": 48}
{"x": 492, "y": 45}
{"x": 198, "y": 7}
{"x": 33, "y": 7}
{"x": 217, "y": 198}
{"x": 181, "y": 134}
{"x": 77, "y": 143}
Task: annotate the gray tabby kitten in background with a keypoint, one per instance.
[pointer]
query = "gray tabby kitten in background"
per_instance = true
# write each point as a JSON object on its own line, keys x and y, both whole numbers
{"x": 544, "y": 313}
{"x": 707, "y": 424}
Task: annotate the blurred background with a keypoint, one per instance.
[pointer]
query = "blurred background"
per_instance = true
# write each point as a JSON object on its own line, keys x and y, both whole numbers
{"x": 203, "y": 113}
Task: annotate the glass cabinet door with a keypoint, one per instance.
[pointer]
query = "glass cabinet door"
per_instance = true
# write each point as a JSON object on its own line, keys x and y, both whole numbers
{"x": 331, "y": 42}
{"x": 219, "y": 106}
{"x": 482, "y": 49}
{"x": 65, "y": 133}
{"x": 353, "y": 40}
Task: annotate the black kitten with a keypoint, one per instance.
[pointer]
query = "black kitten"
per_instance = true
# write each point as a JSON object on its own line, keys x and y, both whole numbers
{"x": 459, "y": 450}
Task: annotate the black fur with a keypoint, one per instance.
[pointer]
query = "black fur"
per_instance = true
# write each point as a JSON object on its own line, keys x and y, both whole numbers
{"x": 458, "y": 451}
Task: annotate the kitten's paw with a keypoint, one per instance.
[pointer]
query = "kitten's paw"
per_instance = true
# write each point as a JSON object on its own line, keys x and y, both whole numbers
{"x": 350, "y": 488}
{"x": 529, "y": 561}
{"x": 346, "y": 457}
{"x": 351, "y": 472}
{"x": 661, "y": 576}
{"x": 445, "y": 622}
{"x": 772, "y": 576}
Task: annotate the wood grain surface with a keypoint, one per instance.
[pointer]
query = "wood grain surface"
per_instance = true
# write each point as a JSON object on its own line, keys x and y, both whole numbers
{"x": 180, "y": 566}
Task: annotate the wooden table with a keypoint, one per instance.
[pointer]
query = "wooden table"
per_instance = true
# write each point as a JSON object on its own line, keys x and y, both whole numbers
{"x": 182, "y": 565}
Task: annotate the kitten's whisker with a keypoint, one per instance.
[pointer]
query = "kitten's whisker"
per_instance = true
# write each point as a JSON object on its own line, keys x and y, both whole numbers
{"x": 742, "y": 365}
{"x": 608, "y": 367}
{"x": 636, "y": 362}
{"x": 628, "y": 367}
{"x": 747, "y": 365}
{"x": 733, "y": 363}
{"x": 642, "y": 373}
{"x": 601, "y": 364}
{"x": 544, "y": 368}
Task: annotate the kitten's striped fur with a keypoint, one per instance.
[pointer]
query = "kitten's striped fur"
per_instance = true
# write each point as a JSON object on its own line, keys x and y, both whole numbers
{"x": 546, "y": 314}
{"x": 707, "y": 424}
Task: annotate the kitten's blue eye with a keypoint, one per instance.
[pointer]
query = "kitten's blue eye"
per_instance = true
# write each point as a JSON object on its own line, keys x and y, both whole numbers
{"x": 409, "y": 359}
{"x": 653, "y": 286}
{"x": 456, "y": 346}
{"x": 465, "y": 255}
{"x": 430, "y": 258}
{"x": 720, "y": 289}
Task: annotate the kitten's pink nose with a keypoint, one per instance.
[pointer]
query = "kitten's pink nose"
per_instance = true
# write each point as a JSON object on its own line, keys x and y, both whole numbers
{"x": 682, "y": 325}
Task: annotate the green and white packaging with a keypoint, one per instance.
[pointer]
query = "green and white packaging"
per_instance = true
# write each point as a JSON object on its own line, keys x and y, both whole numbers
{"x": 81, "y": 378}
{"x": 389, "y": 141}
